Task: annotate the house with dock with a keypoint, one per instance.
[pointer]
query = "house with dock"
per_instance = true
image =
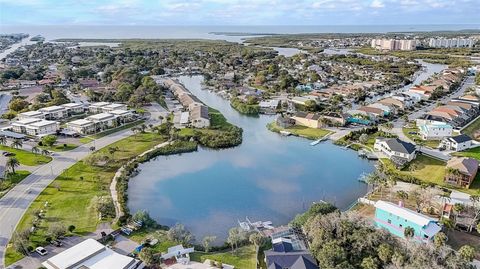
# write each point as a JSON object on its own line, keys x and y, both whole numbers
{"x": 398, "y": 151}
{"x": 395, "y": 218}
{"x": 282, "y": 255}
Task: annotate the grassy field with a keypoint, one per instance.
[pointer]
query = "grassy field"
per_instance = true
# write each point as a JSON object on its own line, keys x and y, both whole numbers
{"x": 243, "y": 258}
{"x": 71, "y": 195}
{"x": 90, "y": 138}
{"x": 472, "y": 153}
{"x": 163, "y": 242}
{"x": 310, "y": 133}
{"x": 472, "y": 128}
{"x": 27, "y": 157}
{"x": 60, "y": 147}
{"x": 11, "y": 180}
{"x": 416, "y": 137}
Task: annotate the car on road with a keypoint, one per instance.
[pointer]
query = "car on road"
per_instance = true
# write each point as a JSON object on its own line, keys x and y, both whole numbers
{"x": 42, "y": 251}
{"x": 7, "y": 154}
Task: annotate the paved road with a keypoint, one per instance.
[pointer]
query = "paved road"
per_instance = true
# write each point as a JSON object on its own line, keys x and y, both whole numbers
{"x": 14, "y": 204}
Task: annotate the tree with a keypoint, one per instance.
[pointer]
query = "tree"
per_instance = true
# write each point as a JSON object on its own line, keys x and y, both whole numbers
{"x": 256, "y": 238}
{"x": 12, "y": 163}
{"x": 144, "y": 217}
{"x": 363, "y": 138}
{"x": 369, "y": 263}
{"x": 235, "y": 236}
{"x": 439, "y": 240}
{"x": 3, "y": 140}
{"x": 18, "y": 104}
{"x": 45, "y": 152}
{"x": 35, "y": 150}
{"x": 385, "y": 253}
{"x": 467, "y": 253}
{"x": 409, "y": 232}
{"x": 57, "y": 230}
{"x": 17, "y": 143}
{"x": 112, "y": 151}
{"x": 475, "y": 199}
{"x": 71, "y": 228}
{"x": 402, "y": 195}
{"x": 146, "y": 255}
{"x": 49, "y": 140}
{"x": 178, "y": 233}
{"x": 207, "y": 241}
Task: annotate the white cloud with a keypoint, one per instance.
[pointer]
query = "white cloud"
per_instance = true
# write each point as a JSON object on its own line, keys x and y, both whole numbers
{"x": 377, "y": 4}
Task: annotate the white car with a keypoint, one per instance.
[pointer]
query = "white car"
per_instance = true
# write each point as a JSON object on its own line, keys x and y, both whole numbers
{"x": 42, "y": 251}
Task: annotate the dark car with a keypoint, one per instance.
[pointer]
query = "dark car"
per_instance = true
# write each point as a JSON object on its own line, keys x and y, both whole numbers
{"x": 6, "y": 153}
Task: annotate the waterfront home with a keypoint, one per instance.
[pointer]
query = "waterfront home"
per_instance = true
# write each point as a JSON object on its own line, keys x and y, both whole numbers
{"x": 435, "y": 131}
{"x": 81, "y": 126}
{"x": 296, "y": 237}
{"x": 199, "y": 117}
{"x": 461, "y": 171}
{"x": 74, "y": 108}
{"x": 30, "y": 114}
{"x": 457, "y": 143}
{"x": 398, "y": 151}
{"x": 268, "y": 106}
{"x": 311, "y": 120}
{"x": 282, "y": 255}
{"x": 335, "y": 119}
{"x": 93, "y": 255}
{"x": 177, "y": 254}
{"x": 42, "y": 128}
{"x": 395, "y": 218}
{"x": 53, "y": 112}
{"x": 284, "y": 122}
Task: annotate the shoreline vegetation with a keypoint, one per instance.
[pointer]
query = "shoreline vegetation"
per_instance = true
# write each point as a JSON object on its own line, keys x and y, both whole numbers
{"x": 81, "y": 196}
{"x": 300, "y": 131}
{"x": 244, "y": 107}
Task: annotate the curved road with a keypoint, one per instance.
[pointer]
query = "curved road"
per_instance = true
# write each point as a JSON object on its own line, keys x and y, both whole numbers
{"x": 14, "y": 204}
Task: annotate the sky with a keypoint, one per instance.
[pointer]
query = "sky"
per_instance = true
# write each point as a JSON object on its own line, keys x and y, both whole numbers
{"x": 238, "y": 12}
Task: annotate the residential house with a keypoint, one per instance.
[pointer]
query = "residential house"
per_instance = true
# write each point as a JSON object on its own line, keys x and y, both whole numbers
{"x": 461, "y": 171}
{"x": 282, "y": 255}
{"x": 269, "y": 106}
{"x": 30, "y": 114}
{"x": 311, "y": 120}
{"x": 395, "y": 218}
{"x": 42, "y": 127}
{"x": 93, "y": 255}
{"x": 74, "y": 108}
{"x": 372, "y": 112}
{"x": 20, "y": 125}
{"x": 284, "y": 122}
{"x": 336, "y": 119}
{"x": 435, "y": 131}
{"x": 103, "y": 120}
{"x": 122, "y": 116}
{"x": 97, "y": 107}
{"x": 114, "y": 106}
{"x": 392, "y": 101}
{"x": 457, "y": 143}
{"x": 398, "y": 151}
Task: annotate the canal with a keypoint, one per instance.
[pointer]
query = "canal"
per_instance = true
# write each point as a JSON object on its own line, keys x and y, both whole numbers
{"x": 268, "y": 177}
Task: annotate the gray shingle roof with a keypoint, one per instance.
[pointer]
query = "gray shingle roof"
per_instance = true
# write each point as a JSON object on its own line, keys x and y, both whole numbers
{"x": 461, "y": 138}
{"x": 398, "y": 145}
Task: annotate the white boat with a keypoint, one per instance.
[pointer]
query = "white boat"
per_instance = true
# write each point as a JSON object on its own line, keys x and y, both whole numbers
{"x": 285, "y": 133}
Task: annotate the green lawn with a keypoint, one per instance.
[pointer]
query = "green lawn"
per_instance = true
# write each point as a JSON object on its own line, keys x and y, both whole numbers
{"x": 416, "y": 137}
{"x": 27, "y": 157}
{"x": 60, "y": 147}
{"x": 163, "y": 242}
{"x": 472, "y": 153}
{"x": 472, "y": 128}
{"x": 90, "y": 138}
{"x": 11, "y": 180}
{"x": 71, "y": 195}
{"x": 310, "y": 133}
{"x": 242, "y": 258}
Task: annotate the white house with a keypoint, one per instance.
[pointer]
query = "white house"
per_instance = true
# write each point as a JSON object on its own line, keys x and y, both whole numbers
{"x": 269, "y": 106}
{"x": 93, "y": 255}
{"x": 81, "y": 126}
{"x": 30, "y": 114}
{"x": 122, "y": 115}
{"x": 435, "y": 131}
{"x": 102, "y": 120}
{"x": 97, "y": 107}
{"x": 111, "y": 107}
{"x": 457, "y": 143}
{"x": 74, "y": 108}
{"x": 395, "y": 149}
{"x": 20, "y": 125}
{"x": 41, "y": 128}
{"x": 54, "y": 112}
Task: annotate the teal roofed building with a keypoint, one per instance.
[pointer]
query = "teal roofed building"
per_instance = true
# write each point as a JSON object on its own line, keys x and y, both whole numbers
{"x": 395, "y": 219}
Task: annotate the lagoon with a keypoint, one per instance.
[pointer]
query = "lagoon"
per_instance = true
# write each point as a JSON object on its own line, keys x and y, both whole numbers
{"x": 268, "y": 177}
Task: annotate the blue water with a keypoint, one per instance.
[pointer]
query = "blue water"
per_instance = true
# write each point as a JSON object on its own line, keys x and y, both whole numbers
{"x": 268, "y": 177}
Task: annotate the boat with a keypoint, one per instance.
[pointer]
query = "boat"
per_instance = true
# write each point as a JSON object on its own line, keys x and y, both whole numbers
{"x": 285, "y": 133}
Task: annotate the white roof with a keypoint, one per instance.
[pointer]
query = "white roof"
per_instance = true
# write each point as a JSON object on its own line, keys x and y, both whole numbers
{"x": 268, "y": 103}
{"x": 404, "y": 213}
{"x": 26, "y": 121}
{"x": 113, "y": 106}
{"x": 80, "y": 122}
{"x": 184, "y": 117}
{"x": 90, "y": 254}
{"x": 100, "y": 104}
{"x": 42, "y": 123}
{"x": 119, "y": 112}
{"x": 31, "y": 113}
{"x": 177, "y": 250}
{"x": 51, "y": 108}
{"x": 101, "y": 116}
{"x": 72, "y": 105}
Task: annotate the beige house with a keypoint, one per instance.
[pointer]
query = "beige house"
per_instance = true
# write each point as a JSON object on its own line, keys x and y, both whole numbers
{"x": 199, "y": 117}
{"x": 311, "y": 120}
{"x": 461, "y": 171}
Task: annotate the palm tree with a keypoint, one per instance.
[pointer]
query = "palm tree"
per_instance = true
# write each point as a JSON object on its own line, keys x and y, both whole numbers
{"x": 402, "y": 195}
{"x": 17, "y": 143}
{"x": 12, "y": 162}
{"x": 3, "y": 140}
{"x": 35, "y": 150}
{"x": 45, "y": 152}
{"x": 409, "y": 232}
{"x": 112, "y": 151}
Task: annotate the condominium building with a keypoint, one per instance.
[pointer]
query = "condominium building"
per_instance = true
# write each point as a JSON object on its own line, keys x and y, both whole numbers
{"x": 394, "y": 44}
{"x": 451, "y": 42}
